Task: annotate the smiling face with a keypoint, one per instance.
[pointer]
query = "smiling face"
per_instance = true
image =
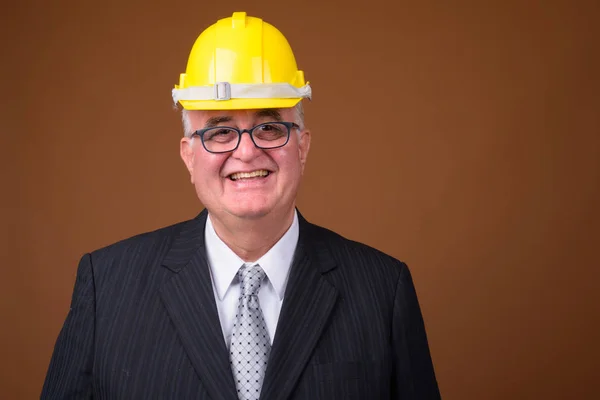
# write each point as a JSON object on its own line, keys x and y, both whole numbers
{"x": 248, "y": 182}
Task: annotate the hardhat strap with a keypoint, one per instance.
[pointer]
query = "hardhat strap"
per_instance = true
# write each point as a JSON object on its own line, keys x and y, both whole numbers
{"x": 227, "y": 91}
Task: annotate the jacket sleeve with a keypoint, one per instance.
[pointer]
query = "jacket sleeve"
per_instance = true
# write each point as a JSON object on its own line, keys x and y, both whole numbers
{"x": 69, "y": 375}
{"x": 414, "y": 376}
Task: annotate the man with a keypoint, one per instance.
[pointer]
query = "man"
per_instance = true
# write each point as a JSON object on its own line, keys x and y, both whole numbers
{"x": 248, "y": 299}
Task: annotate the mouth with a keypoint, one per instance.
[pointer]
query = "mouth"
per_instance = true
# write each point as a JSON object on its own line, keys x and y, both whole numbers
{"x": 258, "y": 174}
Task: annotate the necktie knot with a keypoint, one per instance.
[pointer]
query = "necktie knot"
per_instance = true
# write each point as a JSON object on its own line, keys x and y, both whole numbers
{"x": 251, "y": 277}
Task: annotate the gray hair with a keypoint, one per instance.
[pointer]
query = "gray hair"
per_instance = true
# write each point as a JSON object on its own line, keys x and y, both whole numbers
{"x": 188, "y": 130}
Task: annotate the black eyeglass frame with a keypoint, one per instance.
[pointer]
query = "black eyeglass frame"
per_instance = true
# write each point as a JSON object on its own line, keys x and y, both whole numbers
{"x": 288, "y": 125}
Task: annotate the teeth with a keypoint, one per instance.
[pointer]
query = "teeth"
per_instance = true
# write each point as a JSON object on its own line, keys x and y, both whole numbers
{"x": 245, "y": 175}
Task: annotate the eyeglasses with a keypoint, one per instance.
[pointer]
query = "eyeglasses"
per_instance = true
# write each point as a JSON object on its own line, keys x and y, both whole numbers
{"x": 223, "y": 139}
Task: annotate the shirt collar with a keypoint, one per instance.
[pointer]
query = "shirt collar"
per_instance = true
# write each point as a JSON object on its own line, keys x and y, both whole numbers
{"x": 224, "y": 263}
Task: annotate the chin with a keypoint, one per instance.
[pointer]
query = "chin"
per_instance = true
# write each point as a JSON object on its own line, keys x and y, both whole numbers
{"x": 248, "y": 211}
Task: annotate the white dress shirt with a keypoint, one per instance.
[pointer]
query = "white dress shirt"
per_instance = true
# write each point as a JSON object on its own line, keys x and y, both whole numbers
{"x": 225, "y": 264}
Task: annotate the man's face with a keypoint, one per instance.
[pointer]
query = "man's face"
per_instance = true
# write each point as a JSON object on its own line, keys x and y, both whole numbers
{"x": 214, "y": 175}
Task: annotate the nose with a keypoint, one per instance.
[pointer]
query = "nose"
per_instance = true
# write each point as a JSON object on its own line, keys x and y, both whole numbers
{"x": 246, "y": 150}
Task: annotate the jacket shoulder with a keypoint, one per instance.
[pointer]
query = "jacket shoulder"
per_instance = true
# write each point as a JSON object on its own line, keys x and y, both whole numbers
{"x": 353, "y": 253}
{"x": 141, "y": 252}
{"x": 143, "y": 240}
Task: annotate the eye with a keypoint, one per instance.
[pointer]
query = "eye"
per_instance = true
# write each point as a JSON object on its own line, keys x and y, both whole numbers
{"x": 219, "y": 134}
{"x": 270, "y": 131}
{"x": 273, "y": 127}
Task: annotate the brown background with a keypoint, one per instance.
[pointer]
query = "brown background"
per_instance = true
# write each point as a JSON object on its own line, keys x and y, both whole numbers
{"x": 462, "y": 139}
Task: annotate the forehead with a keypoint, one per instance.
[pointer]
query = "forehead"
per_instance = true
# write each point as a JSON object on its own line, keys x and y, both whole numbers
{"x": 199, "y": 118}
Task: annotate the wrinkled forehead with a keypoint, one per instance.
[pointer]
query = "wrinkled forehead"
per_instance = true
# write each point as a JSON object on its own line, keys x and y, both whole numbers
{"x": 204, "y": 118}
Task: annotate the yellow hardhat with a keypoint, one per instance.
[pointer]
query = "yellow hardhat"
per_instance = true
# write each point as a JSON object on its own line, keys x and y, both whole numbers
{"x": 238, "y": 63}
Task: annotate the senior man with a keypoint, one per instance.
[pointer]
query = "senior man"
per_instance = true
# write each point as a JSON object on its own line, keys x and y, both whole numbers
{"x": 248, "y": 300}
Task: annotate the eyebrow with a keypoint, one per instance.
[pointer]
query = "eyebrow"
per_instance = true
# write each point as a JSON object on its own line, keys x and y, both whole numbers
{"x": 214, "y": 121}
{"x": 266, "y": 113}
{"x": 272, "y": 113}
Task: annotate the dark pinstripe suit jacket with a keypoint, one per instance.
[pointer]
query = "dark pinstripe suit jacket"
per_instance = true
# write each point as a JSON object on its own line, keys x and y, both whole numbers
{"x": 143, "y": 324}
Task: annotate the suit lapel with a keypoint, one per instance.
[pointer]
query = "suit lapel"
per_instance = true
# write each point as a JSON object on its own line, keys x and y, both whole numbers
{"x": 309, "y": 301}
{"x": 189, "y": 299}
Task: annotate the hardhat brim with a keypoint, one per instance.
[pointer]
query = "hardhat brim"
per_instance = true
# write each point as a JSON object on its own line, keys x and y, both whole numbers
{"x": 238, "y": 104}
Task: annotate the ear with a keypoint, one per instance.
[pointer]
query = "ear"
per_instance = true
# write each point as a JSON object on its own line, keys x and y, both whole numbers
{"x": 304, "y": 147}
{"x": 186, "y": 151}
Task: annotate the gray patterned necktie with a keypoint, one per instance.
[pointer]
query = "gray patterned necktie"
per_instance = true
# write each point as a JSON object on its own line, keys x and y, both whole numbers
{"x": 250, "y": 344}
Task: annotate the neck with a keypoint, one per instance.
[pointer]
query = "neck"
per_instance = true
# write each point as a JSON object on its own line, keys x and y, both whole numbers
{"x": 249, "y": 238}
